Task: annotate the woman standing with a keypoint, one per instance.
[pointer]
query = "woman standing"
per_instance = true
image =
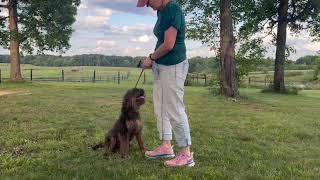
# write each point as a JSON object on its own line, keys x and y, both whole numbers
{"x": 170, "y": 68}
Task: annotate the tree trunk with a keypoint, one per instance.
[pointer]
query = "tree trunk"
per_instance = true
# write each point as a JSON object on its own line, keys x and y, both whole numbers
{"x": 15, "y": 74}
{"x": 279, "y": 85}
{"x": 228, "y": 81}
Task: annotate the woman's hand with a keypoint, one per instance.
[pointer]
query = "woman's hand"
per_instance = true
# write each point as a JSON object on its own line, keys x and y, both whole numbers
{"x": 147, "y": 63}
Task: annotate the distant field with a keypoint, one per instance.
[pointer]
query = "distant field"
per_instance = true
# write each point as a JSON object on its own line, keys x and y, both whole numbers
{"x": 290, "y": 75}
{"x": 298, "y": 78}
{"x": 85, "y": 73}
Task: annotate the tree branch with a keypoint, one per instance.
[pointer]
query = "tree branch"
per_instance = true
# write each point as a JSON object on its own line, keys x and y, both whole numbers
{"x": 272, "y": 23}
{"x": 4, "y": 6}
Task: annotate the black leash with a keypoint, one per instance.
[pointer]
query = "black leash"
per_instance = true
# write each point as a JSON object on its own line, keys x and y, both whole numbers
{"x": 139, "y": 66}
{"x": 139, "y": 78}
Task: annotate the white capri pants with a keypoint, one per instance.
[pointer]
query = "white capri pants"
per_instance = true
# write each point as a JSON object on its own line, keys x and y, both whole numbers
{"x": 169, "y": 109}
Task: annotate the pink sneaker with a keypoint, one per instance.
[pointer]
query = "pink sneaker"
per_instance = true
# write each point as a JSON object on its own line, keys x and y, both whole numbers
{"x": 181, "y": 160}
{"x": 160, "y": 152}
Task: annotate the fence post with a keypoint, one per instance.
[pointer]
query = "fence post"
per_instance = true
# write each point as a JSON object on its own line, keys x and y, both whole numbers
{"x": 188, "y": 79}
{"x": 94, "y": 76}
{"x": 265, "y": 81}
{"x": 0, "y": 76}
{"x": 62, "y": 75}
{"x": 249, "y": 81}
{"x": 31, "y": 74}
{"x": 205, "y": 79}
{"x": 118, "y": 77}
{"x": 197, "y": 78}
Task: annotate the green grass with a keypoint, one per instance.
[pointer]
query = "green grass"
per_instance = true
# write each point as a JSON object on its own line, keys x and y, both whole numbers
{"x": 46, "y": 135}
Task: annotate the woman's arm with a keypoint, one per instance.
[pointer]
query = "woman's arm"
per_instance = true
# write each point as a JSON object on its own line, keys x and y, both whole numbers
{"x": 169, "y": 41}
{"x": 168, "y": 44}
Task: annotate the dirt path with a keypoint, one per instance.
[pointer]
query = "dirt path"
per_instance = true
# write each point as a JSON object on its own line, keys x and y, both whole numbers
{"x": 9, "y": 92}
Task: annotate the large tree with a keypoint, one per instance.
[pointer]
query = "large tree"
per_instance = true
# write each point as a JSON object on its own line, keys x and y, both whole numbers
{"x": 212, "y": 22}
{"x": 35, "y": 26}
{"x": 297, "y": 15}
{"x": 228, "y": 80}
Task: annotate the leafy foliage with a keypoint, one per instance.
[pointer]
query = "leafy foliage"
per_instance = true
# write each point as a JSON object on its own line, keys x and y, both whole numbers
{"x": 307, "y": 60}
{"x": 204, "y": 24}
{"x": 249, "y": 57}
{"x": 205, "y": 65}
{"x": 44, "y": 25}
{"x": 317, "y": 69}
{"x": 302, "y": 15}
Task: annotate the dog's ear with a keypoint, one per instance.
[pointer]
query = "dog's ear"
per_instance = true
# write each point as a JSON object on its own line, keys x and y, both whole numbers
{"x": 131, "y": 103}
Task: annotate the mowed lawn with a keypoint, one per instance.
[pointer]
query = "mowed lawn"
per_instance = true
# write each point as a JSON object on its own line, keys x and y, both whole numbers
{"x": 46, "y": 130}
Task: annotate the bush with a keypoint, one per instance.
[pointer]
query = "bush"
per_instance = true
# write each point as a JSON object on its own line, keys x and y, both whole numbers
{"x": 317, "y": 70}
{"x": 290, "y": 90}
{"x": 214, "y": 86}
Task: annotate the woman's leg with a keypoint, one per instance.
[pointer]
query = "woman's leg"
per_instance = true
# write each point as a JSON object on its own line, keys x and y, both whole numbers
{"x": 176, "y": 111}
{"x": 174, "y": 104}
{"x": 163, "y": 122}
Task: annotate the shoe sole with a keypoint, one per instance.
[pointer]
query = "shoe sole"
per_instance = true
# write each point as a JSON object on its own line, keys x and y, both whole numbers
{"x": 189, "y": 164}
{"x": 164, "y": 156}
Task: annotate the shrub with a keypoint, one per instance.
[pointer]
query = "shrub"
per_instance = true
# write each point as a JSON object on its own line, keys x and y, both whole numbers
{"x": 291, "y": 90}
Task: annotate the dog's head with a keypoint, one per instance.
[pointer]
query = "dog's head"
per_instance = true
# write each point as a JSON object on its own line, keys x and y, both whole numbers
{"x": 133, "y": 99}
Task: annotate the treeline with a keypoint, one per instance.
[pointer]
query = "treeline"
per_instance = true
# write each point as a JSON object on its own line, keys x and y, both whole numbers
{"x": 200, "y": 64}
{"x": 78, "y": 60}
{"x": 307, "y": 60}
{"x": 197, "y": 64}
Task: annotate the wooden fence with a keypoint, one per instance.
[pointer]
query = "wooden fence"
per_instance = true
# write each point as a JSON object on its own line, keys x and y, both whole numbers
{"x": 197, "y": 79}
{"x": 192, "y": 79}
{"x": 266, "y": 81}
{"x": 94, "y": 77}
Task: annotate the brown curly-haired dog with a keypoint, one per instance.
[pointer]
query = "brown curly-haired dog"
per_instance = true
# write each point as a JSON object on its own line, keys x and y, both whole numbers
{"x": 128, "y": 125}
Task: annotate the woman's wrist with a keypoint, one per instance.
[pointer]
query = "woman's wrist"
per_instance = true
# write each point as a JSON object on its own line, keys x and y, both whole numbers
{"x": 150, "y": 56}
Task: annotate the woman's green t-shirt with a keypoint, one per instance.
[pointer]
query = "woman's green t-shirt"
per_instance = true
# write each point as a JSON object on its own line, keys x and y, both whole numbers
{"x": 171, "y": 15}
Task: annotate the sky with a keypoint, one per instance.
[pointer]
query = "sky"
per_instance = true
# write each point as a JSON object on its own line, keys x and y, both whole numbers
{"x": 118, "y": 27}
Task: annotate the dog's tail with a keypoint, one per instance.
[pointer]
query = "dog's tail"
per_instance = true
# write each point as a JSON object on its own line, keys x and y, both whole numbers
{"x": 100, "y": 145}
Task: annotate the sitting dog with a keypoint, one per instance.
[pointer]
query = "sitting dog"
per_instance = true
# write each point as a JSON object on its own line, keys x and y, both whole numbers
{"x": 128, "y": 126}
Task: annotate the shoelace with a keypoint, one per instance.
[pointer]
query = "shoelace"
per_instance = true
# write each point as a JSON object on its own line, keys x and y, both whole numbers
{"x": 180, "y": 157}
{"x": 159, "y": 149}
{"x": 162, "y": 148}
